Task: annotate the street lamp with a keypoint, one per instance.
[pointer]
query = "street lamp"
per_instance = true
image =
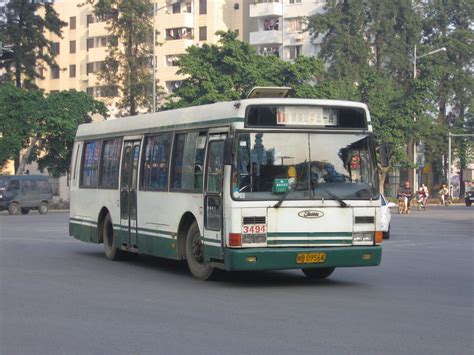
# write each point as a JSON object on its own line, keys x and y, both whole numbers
{"x": 415, "y": 57}
{"x": 155, "y": 10}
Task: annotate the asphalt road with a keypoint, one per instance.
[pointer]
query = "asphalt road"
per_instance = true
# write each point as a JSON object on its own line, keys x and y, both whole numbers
{"x": 61, "y": 296}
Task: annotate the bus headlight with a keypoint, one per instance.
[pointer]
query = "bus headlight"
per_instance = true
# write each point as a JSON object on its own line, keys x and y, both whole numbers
{"x": 363, "y": 238}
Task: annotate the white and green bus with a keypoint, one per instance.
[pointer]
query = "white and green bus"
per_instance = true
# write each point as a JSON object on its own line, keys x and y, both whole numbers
{"x": 257, "y": 184}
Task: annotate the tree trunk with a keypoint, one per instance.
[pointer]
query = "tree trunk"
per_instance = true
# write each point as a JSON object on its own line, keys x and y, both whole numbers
{"x": 382, "y": 176}
{"x": 26, "y": 155}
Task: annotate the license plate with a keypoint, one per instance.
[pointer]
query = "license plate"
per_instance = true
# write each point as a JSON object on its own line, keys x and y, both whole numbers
{"x": 310, "y": 258}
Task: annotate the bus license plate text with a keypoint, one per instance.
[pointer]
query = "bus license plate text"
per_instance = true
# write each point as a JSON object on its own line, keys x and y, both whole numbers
{"x": 310, "y": 258}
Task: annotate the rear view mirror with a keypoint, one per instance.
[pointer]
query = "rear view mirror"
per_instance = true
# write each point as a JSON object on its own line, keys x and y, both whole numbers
{"x": 384, "y": 155}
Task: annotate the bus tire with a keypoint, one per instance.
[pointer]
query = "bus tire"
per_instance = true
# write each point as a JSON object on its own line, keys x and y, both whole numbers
{"x": 25, "y": 210}
{"x": 194, "y": 254}
{"x": 318, "y": 273}
{"x": 13, "y": 208}
{"x": 43, "y": 208}
{"x": 110, "y": 249}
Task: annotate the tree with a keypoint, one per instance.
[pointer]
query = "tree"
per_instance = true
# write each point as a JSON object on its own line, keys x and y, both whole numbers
{"x": 128, "y": 65}
{"x": 361, "y": 34}
{"x": 230, "y": 69}
{"x": 42, "y": 128}
{"x": 26, "y": 25}
{"x": 449, "y": 24}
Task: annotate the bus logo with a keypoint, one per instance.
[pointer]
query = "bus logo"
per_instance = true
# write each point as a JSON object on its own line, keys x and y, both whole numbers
{"x": 310, "y": 214}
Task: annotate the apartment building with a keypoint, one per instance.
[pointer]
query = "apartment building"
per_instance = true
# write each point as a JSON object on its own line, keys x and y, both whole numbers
{"x": 83, "y": 47}
{"x": 277, "y": 27}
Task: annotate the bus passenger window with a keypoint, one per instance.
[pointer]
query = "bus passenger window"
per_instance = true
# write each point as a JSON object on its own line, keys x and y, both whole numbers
{"x": 155, "y": 162}
{"x": 188, "y": 159}
{"x": 109, "y": 170}
{"x": 90, "y": 164}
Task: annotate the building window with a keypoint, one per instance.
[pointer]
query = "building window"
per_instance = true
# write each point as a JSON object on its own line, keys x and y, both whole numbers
{"x": 90, "y": 164}
{"x": 269, "y": 50}
{"x": 271, "y": 25}
{"x": 72, "y": 71}
{"x": 156, "y": 162}
{"x": 293, "y": 2}
{"x": 172, "y": 60}
{"x": 102, "y": 91}
{"x": 54, "y": 72}
{"x": 72, "y": 47}
{"x": 90, "y": 19}
{"x": 179, "y": 33}
{"x": 294, "y": 51}
{"x": 109, "y": 166}
{"x": 72, "y": 23}
{"x": 176, "y": 8}
{"x": 172, "y": 85}
{"x": 203, "y": 33}
{"x": 202, "y": 7}
{"x": 94, "y": 67}
{"x": 55, "y": 48}
{"x": 294, "y": 25}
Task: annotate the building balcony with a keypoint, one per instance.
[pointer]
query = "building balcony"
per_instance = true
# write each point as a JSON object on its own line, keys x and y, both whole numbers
{"x": 266, "y": 9}
{"x": 169, "y": 20}
{"x": 265, "y": 37}
{"x": 97, "y": 29}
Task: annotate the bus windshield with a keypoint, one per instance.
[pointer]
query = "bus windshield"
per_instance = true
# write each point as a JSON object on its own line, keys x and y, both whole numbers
{"x": 305, "y": 166}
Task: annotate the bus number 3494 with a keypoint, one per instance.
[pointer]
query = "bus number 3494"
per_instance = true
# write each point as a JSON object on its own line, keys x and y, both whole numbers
{"x": 254, "y": 229}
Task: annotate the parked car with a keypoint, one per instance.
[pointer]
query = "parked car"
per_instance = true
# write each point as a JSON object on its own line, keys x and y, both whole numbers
{"x": 469, "y": 197}
{"x": 22, "y": 193}
{"x": 386, "y": 216}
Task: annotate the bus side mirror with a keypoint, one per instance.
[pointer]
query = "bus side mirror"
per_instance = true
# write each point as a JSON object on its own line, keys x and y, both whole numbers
{"x": 384, "y": 155}
{"x": 228, "y": 143}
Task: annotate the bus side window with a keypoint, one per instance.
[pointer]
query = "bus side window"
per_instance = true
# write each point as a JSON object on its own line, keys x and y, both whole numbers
{"x": 188, "y": 158}
{"x": 156, "y": 161}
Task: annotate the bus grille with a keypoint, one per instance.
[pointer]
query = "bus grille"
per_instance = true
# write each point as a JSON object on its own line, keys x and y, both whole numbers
{"x": 364, "y": 220}
{"x": 254, "y": 220}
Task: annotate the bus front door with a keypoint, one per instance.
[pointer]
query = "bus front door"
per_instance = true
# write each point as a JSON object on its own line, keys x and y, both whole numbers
{"x": 128, "y": 193}
{"x": 213, "y": 206}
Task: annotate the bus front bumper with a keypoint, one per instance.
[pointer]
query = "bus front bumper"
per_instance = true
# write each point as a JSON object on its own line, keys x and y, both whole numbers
{"x": 286, "y": 258}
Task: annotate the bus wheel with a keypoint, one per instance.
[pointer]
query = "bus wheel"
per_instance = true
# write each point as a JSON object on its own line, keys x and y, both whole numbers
{"x": 108, "y": 235}
{"x": 318, "y": 273}
{"x": 25, "y": 210}
{"x": 13, "y": 208}
{"x": 194, "y": 254}
{"x": 43, "y": 208}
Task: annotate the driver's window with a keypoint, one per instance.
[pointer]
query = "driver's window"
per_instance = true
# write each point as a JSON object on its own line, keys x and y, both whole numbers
{"x": 215, "y": 166}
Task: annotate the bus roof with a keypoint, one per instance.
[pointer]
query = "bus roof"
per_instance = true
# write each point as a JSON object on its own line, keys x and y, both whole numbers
{"x": 217, "y": 114}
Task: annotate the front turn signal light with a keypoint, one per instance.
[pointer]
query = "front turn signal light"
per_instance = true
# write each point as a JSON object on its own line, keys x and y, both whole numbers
{"x": 378, "y": 237}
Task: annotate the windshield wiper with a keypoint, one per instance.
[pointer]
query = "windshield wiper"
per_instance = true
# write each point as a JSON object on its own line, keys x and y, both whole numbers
{"x": 292, "y": 187}
{"x": 282, "y": 198}
{"x": 338, "y": 199}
